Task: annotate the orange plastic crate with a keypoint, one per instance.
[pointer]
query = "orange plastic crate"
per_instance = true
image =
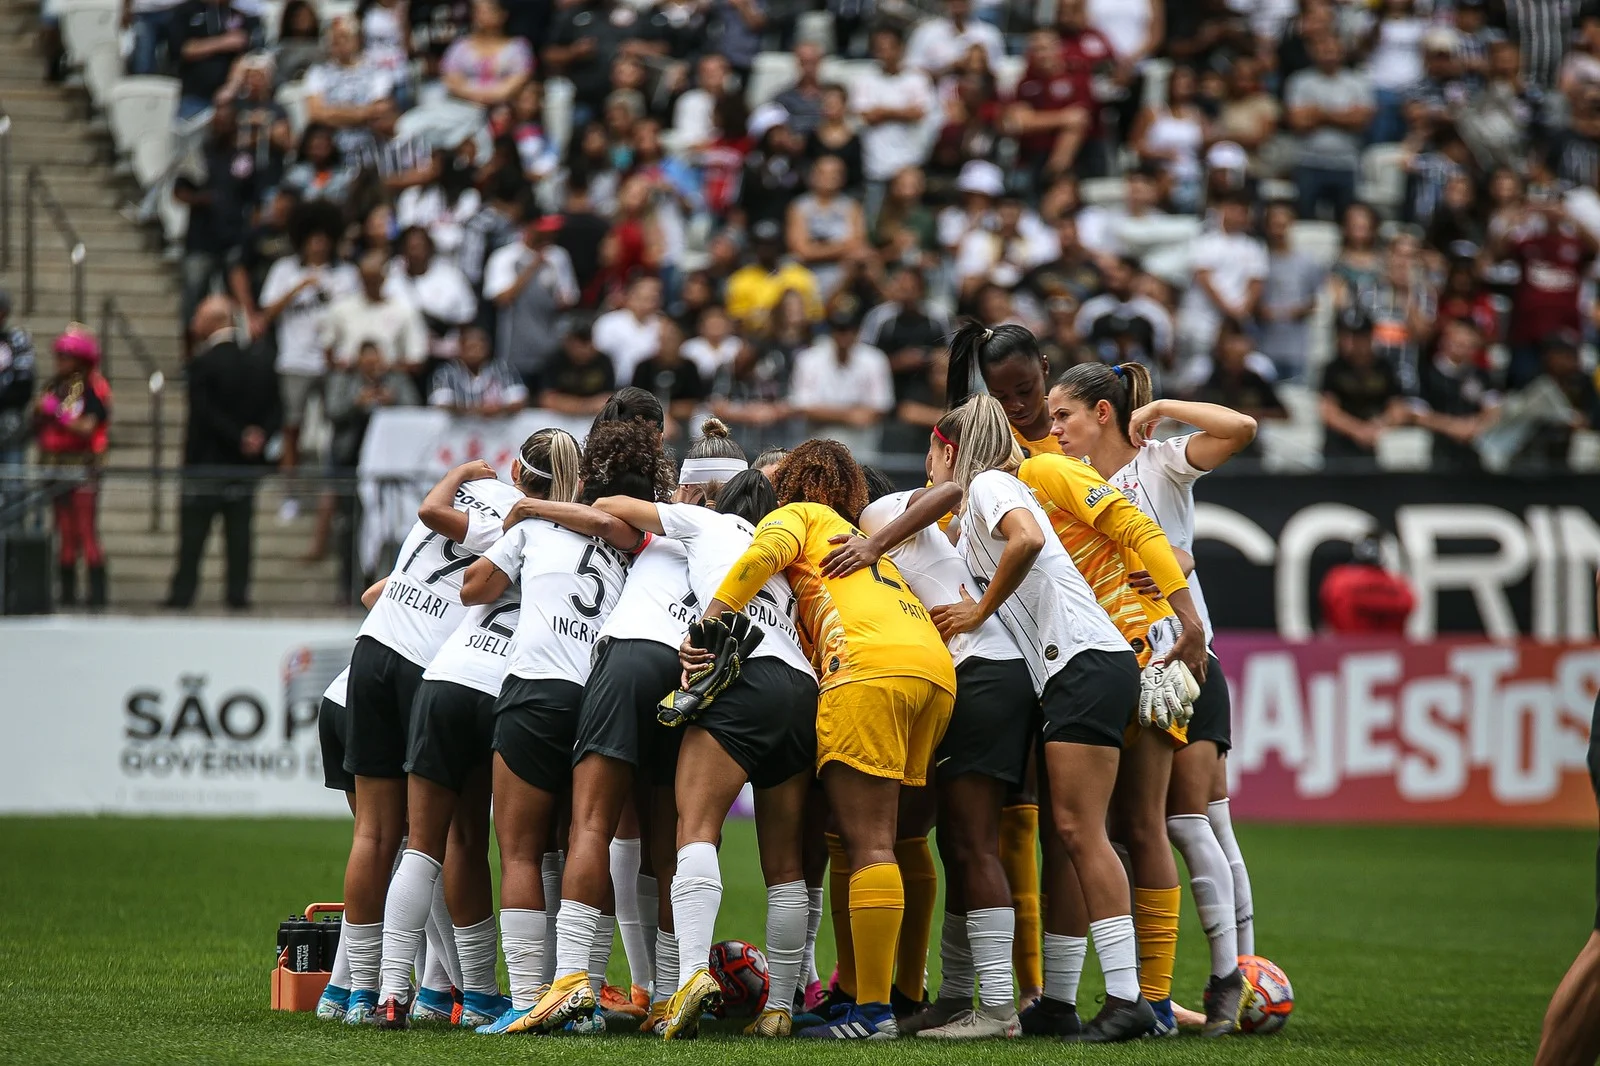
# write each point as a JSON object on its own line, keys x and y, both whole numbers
{"x": 295, "y": 990}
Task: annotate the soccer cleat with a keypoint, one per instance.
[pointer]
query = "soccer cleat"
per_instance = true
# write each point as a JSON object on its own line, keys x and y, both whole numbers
{"x": 593, "y": 1025}
{"x": 903, "y": 1005}
{"x": 568, "y": 999}
{"x": 814, "y": 995}
{"x": 1050, "y": 1017}
{"x": 481, "y": 1008}
{"x": 431, "y": 1005}
{"x": 617, "y": 1006}
{"x": 984, "y": 1024}
{"x": 1166, "y": 1023}
{"x": 1224, "y": 1002}
{"x": 331, "y": 1004}
{"x": 940, "y": 1012}
{"x": 360, "y": 1008}
{"x": 1118, "y": 1020}
{"x": 656, "y": 1019}
{"x": 641, "y": 999}
{"x": 771, "y": 1023}
{"x": 512, "y": 1021}
{"x": 862, "y": 1021}
{"x": 697, "y": 996}
{"x": 392, "y": 1014}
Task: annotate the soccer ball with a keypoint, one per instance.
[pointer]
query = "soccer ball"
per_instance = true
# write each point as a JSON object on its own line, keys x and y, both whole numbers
{"x": 1270, "y": 998}
{"x": 741, "y": 971}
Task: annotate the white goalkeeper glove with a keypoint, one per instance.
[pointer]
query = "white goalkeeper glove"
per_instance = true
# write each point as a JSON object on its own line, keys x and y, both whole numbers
{"x": 1179, "y": 690}
{"x": 1153, "y": 710}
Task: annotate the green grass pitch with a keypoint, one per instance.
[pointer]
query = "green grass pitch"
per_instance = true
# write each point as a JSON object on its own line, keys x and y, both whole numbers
{"x": 150, "y": 941}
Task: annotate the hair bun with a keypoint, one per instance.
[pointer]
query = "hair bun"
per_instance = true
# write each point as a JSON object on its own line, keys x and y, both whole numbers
{"x": 714, "y": 427}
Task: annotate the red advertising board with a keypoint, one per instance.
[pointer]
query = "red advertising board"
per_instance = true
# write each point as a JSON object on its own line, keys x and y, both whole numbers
{"x": 1377, "y": 730}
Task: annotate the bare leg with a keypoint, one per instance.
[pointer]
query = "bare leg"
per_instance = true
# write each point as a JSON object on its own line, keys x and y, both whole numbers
{"x": 1571, "y": 1034}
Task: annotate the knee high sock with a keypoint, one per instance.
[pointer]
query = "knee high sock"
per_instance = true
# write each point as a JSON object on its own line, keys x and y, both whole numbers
{"x": 340, "y": 977}
{"x": 839, "y": 904}
{"x": 442, "y": 939}
{"x": 522, "y": 936}
{"x": 1063, "y": 966}
{"x": 666, "y": 966}
{"x": 958, "y": 978}
{"x": 1155, "y": 919}
{"x": 1114, "y": 944}
{"x": 1019, "y": 842}
{"x": 649, "y": 913}
{"x": 877, "y": 908}
{"x": 406, "y": 912}
{"x": 808, "y": 973}
{"x": 433, "y": 975}
{"x": 786, "y": 941}
{"x": 575, "y": 935}
{"x": 696, "y": 897}
{"x": 550, "y": 875}
{"x": 475, "y": 944}
{"x": 990, "y": 932}
{"x": 1211, "y": 881}
{"x": 920, "y": 879}
{"x": 1244, "y": 906}
{"x": 364, "y": 945}
{"x": 605, "y": 926}
{"x": 625, "y": 883}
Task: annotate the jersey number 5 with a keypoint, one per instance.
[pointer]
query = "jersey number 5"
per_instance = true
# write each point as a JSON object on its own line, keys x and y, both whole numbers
{"x": 586, "y": 568}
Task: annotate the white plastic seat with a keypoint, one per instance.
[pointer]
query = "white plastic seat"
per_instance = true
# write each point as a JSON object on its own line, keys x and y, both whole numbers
{"x": 292, "y": 97}
{"x": 140, "y": 111}
{"x": 559, "y": 94}
{"x": 816, "y": 27}
{"x": 86, "y": 25}
{"x": 771, "y": 74}
{"x": 1156, "y": 72}
{"x": 174, "y": 217}
{"x": 1095, "y": 192}
{"x": 1405, "y": 448}
{"x": 844, "y": 71}
{"x": 1009, "y": 74}
{"x": 102, "y": 69}
{"x": 1381, "y": 180}
{"x": 1319, "y": 240}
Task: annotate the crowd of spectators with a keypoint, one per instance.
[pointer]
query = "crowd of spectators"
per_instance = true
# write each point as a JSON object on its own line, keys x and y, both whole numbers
{"x": 1175, "y": 183}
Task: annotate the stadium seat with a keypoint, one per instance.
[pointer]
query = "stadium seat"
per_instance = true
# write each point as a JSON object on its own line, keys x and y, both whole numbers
{"x": 291, "y": 97}
{"x": 1290, "y": 446}
{"x": 140, "y": 111}
{"x": 102, "y": 69}
{"x": 1099, "y": 191}
{"x": 1319, "y": 240}
{"x": 1584, "y": 452}
{"x": 271, "y": 19}
{"x": 86, "y": 25}
{"x": 772, "y": 73}
{"x": 559, "y": 94}
{"x": 1156, "y": 72}
{"x": 1009, "y": 74}
{"x": 1405, "y": 448}
{"x": 1278, "y": 189}
{"x": 844, "y": 71}
{"x": 1381, "y": 181}
{"x": 816, "y": 27}
{"x": 174, "y": 217}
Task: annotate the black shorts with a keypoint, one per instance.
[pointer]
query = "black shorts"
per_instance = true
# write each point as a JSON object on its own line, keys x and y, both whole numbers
{"x": 1092, "y": 698}
{"x": 1213, "y": 713}
{"x": 618, "y": 718}
{"x": 535, "y": 723}
{"x": 995, "y": 719}
{"x": 333, "y": 725}
{"x": 383, "y": 686}
{"x": 766, "y": 721}
{"x": 452, "y": 733}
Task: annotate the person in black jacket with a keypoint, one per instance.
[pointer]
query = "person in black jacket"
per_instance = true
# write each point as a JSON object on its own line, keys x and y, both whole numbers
{"x": 17, "y": 372}
{"x": 233, "y": 411}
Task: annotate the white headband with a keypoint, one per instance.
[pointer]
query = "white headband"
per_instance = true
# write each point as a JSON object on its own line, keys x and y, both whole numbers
{"x": 706, "y": 471}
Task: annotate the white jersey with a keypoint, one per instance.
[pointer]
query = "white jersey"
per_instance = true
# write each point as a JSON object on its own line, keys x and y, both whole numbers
{"x": 1053, "y": 615}
{"x": 936, "y": 572}
{"x": 570, "y": 586}
{"x": 714, "y": 542}
{"x": 421, "y": 605}
{"x": 476, "y": 654}
{"x": 656, "y": 603}
{"x": 1159, "y": 480}
{"x": 335, "y": 693}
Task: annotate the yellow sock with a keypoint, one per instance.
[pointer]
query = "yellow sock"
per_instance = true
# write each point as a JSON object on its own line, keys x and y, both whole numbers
{"x": 921, "y": 883}
{"x": 877, "y": 906}
{"x": 1155, "y": 922}
{"x": 1019, "y": 837}
{"x": 839, "y": 905}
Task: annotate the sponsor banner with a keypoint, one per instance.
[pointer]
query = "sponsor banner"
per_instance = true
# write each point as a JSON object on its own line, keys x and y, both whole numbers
{"x": 167, "y": 716}
{"x": 1505, "y": 556}
{"x": 1368, "y": 730}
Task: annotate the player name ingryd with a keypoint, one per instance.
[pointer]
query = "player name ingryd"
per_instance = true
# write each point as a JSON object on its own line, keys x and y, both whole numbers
{"x": 576, "y": 629}
{"x": 417, "y": 599}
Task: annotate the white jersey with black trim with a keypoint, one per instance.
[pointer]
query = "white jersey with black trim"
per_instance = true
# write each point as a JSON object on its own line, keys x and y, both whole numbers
{"x": 570, "y": 586}
{"x": 1053, "y": 615}
{"x": 937, "y": 574}
{"x": 656, "y": 602}
{"x": 476, "y": 654}
{"x": 1159, "y": 480}
{"x": 421, "y": 604}
{"x": 714, "y": 541}
{"x": 335, "y": 692}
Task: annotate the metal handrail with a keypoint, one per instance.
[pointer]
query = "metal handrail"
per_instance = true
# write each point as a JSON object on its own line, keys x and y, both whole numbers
{"x": 5, "y": 191}
{"x": 114, "y": 324}
{"x": 77, "y": 255}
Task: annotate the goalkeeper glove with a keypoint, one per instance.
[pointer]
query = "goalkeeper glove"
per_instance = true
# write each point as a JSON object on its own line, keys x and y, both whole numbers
{"x": 1179, "y": 690}
{"x": 728, "y": 639}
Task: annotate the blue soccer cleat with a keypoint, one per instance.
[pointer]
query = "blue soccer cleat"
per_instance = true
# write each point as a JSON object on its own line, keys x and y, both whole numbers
{"x": 512, "y": 1021}
{"x": 431, "y": 1005}
{"x": 862, "y": 1021}
{"x": 362, "y": 1007}
{"x": 1166, "y": 1024}
{"x": 482, "y": 1008}
{"x": 331, "y": 1004}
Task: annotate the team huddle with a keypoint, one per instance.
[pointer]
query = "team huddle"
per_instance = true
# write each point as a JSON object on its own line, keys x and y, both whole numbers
{"x": 606, "y": 650}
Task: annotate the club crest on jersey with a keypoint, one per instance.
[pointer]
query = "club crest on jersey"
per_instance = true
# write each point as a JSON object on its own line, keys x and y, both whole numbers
{"x": 1096, "y": 494}
{"x": 1051, "y": 652}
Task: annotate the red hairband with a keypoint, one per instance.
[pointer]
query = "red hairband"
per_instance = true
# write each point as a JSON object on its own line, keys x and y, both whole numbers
{"x": 946, "y": 441}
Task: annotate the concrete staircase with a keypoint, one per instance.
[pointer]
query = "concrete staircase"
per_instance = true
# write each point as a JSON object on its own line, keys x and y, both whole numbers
{"x": 50, "y": 128}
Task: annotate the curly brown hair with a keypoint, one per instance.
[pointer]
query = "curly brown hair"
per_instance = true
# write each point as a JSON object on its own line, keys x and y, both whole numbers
{"x": 822, "y": 471}
{"x": 625, "y": 459}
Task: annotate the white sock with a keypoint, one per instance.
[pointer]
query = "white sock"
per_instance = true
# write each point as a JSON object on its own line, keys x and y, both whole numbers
{"x": 423, "y": 961}
{"x": 575, "y": 932}
{"x": 813, "y": 923}
{"x": 990, "y": 932}
{"x": 550, "y": 874}
{"x": 340, "y": 978}
{"x": 959, "y": 979}
{"x": 475, "y": 944}
{"x": 1244, "y": 905}
{"x": 364, "y": 955}
{"x": 600, "y": 951}
{"x": 522, "y": 937}
{"x": 649, "y": 920}
{"x": 625, "y": 883}
{"x": 666, "y": 967}
{"x": 696, "y": 897}
{"x": 786, "y": 941}
{"x": 1063, "y": 966}
{"x": 434, "y": 975}
{"x": 441, "y": 934}
{"x": 1212, "y": 884}
{"x": 1118, "y": 954}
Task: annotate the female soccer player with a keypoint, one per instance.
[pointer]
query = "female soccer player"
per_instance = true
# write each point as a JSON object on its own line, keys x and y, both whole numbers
{"x": 419, "y": 609}
{"x": 887, "y": 689}
{"x": 1094, "y": 408}
{"x": 760, "y": 730}
{"x": 983, "y": 754}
